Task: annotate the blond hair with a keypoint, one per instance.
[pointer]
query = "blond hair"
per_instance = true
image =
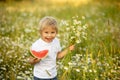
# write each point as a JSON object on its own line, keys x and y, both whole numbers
{"x": 48, "y": 21}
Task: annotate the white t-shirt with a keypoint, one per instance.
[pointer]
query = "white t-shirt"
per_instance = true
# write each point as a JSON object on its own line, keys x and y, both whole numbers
{"x": 46, "y": 68}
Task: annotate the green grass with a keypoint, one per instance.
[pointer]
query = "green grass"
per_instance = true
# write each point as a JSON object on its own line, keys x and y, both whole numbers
{"x": 94, "y": 58}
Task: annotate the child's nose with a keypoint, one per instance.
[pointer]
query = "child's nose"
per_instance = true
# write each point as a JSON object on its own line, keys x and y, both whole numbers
{"x": 49, "y": 34}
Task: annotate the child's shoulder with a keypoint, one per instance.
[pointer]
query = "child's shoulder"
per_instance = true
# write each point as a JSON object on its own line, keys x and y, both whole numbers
{"x": 56, "y": 39}
{"x": 36, "y": 42}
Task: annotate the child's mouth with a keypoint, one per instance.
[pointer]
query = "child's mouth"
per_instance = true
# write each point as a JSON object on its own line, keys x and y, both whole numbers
{"x": 48, "y": 39}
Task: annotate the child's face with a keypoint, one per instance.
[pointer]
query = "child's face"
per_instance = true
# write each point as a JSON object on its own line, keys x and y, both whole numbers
{"x": 48, "y": 34}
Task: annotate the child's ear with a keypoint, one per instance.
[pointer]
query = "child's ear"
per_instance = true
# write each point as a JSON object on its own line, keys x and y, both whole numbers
{"x": 40, "y": 32}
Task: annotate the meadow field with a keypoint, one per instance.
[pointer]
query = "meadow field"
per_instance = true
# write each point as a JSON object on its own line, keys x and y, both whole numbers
{"x": 92, "y": 25}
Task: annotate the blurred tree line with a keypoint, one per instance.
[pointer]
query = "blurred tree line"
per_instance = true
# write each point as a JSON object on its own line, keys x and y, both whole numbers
{"x": 13, "y": 0}
{"x": 68, "y": 0}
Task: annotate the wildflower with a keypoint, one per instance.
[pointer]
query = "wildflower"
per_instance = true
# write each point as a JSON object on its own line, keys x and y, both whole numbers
{"x": 72, "y": 37}
{"x": 94, "y": 71}
{"x": 78, "y": 41}
{"x": 79, "y": 22}
{"x": 64, "y": 22}
{"x": 75, "y": 22}
{"x": 1, "y": 60}
{"x": 77, "y": 34}
{"x": 77, "y": 70}
{"x": 89, "y": 60}
{"x": 113, "y": 71}
{"x": 3, "y": 68}
{"x": 84, "y": 37}
{"x": 90, "y": 70}
{"x": 27, "y": 72}
{"x": 27, "y": 30}
{"x": 83, "y": 17}
{"x": 66, "y": 68}
{"x": 83, "y": 33}
{"x": 85, "y": 68}
{"x": 70, "y": 64}
{"x": 79, "y": 28}
{"x": 58, "y": 35}
{"x": 84, "y": 27}
{"x": 67, "y": 29}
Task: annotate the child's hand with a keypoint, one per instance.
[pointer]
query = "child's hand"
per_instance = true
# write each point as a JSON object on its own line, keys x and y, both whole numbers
{"x": 36, "y": 59}
{"x": 72, "y": 47}
{"x": 33, "y": 60}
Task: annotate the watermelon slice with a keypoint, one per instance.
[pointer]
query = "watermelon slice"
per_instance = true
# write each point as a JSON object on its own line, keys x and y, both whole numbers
{"x": 39, "y": 54}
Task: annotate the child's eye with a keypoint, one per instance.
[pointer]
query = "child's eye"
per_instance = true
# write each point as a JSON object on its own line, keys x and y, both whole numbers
{"x": 52, "y": 32}
{"x": 46, "y": 32}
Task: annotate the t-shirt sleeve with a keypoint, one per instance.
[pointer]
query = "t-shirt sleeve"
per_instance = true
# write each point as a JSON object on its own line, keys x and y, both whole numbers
{"x": 35, "y": 46}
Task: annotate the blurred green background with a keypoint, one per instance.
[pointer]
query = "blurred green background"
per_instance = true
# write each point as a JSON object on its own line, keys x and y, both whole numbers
{"x": 19, "y": 29}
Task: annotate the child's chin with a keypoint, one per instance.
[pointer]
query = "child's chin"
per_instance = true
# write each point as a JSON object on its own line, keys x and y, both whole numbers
{"x": 49, "y": 41}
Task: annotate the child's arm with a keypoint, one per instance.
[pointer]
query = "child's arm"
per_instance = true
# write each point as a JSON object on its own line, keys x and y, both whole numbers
{"x": 33, "y": 60}
{"x": 64, "y": 52}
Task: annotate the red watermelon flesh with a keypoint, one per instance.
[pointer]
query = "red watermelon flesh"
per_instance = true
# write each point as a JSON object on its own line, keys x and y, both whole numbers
{"x": 39, "y": 54}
